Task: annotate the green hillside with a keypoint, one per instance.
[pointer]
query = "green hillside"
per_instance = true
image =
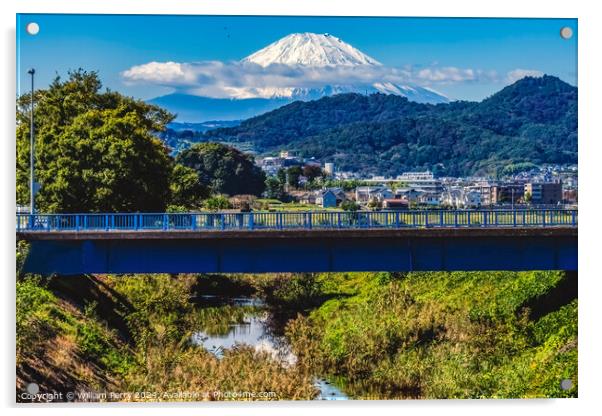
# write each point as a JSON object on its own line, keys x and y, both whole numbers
{"x": 534, "y": 120}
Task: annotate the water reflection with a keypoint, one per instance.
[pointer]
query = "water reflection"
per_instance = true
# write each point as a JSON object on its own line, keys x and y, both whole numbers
{"x": 252, "y": 331}
{"x": 248, "y": 322}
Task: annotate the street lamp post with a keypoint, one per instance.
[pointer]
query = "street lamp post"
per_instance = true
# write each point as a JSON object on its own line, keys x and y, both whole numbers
{"x": 32, "y": 205}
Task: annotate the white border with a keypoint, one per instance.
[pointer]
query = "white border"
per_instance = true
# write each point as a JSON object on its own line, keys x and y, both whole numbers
{"x": 590, "y": 137}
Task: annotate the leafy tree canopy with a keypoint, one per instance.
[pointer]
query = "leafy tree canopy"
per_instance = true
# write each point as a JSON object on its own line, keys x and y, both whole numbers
{"x": 224, "y": 169}
{"x": 186, "y": 188}
{"x": 95, "y": 151}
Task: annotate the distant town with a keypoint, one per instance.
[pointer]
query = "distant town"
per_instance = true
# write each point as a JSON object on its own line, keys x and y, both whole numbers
{"x": 311, "y": 183}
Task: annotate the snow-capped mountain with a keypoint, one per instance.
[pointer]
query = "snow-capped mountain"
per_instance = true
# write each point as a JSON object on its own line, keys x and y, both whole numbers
{"x": 324, "y": 62}
{"x": 325, "y": 50}
{"x": 310, "y": 49}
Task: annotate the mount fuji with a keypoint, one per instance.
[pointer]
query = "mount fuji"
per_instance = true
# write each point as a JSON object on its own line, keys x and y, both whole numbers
{"x": 310, "y": 54}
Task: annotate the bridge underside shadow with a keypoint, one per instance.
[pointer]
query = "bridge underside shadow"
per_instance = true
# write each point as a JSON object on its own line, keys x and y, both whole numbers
{"x": 302, "y": 252}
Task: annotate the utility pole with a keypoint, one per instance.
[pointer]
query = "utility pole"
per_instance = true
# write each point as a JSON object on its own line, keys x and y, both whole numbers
{"x": 32, "y": 205}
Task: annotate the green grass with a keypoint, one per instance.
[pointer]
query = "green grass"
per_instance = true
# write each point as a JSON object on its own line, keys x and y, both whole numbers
{"x": 45, "y": 321}
{"x": 440, "y": 335}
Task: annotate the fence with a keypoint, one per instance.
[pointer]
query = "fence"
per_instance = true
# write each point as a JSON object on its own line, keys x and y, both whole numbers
{"x": 296, "y": 220}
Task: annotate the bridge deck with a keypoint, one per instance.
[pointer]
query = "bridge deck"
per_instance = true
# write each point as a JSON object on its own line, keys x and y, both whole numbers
{"x": 257, "y": 242}
{"x": 311, "y": 220}
{"x": 448, "y": 232}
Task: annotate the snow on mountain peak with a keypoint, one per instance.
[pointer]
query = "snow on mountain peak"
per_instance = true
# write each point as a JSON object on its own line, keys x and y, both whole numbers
{"x": 310, "y": 49}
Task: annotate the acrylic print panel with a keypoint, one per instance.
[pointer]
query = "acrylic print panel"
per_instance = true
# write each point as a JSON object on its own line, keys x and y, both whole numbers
{"x": 305, "y": 208}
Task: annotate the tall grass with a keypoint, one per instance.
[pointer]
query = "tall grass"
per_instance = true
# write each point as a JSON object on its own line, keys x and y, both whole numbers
{"x": 164, "y": 319}
{"x": 441, "y": 335}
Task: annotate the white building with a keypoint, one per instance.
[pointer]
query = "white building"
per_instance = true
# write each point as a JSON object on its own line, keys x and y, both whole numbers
{"x": 365, "y": 194}
{"x": 422, "y": 182}
{"x": 461, "y": 198}
{"x": 429, "y": 199}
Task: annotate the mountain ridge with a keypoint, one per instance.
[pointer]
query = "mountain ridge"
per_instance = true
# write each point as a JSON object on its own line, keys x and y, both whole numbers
{"x": 532, "y": 120}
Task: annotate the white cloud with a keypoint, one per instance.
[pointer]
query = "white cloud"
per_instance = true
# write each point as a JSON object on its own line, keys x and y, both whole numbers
{"x": 454, "y": 75}
{"x": 161, "y": 73}
{"x": 516, "y": 74}
{"x": 237, "y": 79}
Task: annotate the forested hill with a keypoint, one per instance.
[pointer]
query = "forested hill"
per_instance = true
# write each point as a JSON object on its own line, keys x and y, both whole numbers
{"x": 533, "y": 120}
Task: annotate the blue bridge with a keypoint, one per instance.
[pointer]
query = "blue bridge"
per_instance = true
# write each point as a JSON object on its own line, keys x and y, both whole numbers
{"x": 315, "y": 241}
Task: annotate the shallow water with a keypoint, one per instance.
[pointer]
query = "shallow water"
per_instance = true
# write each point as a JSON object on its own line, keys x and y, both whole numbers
{"x": 254, "y": 331}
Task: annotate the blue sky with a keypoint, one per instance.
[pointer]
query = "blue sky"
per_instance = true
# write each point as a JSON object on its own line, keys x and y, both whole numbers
{"x": 493, "y": 49}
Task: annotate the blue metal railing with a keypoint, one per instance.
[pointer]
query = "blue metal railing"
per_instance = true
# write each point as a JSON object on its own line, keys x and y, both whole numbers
{"x": 258, "y": 220}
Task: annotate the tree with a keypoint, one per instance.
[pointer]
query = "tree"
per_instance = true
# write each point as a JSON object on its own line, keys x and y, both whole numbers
{"x": 293, "y": 173}
{"x": 374, "y": 203}
{"x": 312, "y": 172}
{"x": 215, "y": 203}
{"x": 224, "y": 169}
{"x": 274, "y": 189}
{"x": 186, "y": 189}
{"x": 349, "y": 205}
{"x": 95, "y": 151}
{"x": 281, "y": 175}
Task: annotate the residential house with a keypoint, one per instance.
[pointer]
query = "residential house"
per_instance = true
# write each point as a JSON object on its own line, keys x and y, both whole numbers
{"x": 430, "y": 199}
{"x": 326, "y": 198}
{"x": 365, "y": 194}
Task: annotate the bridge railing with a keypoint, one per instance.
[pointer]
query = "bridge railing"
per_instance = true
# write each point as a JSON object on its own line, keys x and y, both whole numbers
{"x": 259, "y": 220}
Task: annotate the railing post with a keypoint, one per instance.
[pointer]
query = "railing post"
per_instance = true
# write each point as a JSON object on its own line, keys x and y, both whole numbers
{"x": 574, "y": 218}
{"x": 468, "y": 218}
{"x": 543, "y": 218}
{"x": 397, "y": 220}
{"x": 107, "y": 222}
{"x": 165, "y": 220}
{"x": 77, "y": 223}
{"x": 251, "y": 220}
{"x": 441, "y": 218}
{"x": 485, "y": 218}
{"x": 426, "y": 218}
{"x": 339, "y": 219}
{"x": 309, "y": 217}
{"x": 514, "y": 218}
{"x": 455, "y": 219}
{"x": 222, "y": 221}
{"x": 85, "y": 222}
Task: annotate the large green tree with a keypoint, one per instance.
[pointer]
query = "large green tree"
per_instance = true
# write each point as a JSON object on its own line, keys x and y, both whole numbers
{"x": 95, "y": 150}
{"x": 224, "y": 169}
{"x": 187, "y": 191}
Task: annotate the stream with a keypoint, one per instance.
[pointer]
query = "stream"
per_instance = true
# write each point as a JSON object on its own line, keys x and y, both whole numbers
{"x": 251, "y": 326}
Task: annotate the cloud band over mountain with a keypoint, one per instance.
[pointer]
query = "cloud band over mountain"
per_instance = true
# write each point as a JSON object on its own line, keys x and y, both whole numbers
{"x": 237, "y": 79}
{"x": 306, "y": 66}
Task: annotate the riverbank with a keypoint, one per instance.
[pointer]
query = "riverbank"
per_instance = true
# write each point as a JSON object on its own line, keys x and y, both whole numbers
{"x": 444, "y": 335}
{"x": 153, "y": 353}
{"x": 371, "y": 335}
